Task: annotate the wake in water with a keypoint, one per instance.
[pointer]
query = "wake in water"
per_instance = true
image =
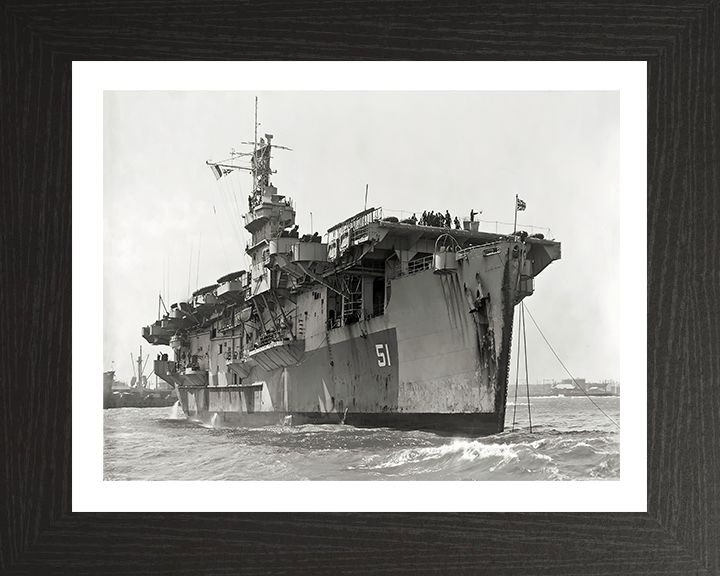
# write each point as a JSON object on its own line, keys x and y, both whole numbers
{"x": 506, "y": 457}
{"x": 176, "y": 412}
{"x": 161, "y": 444}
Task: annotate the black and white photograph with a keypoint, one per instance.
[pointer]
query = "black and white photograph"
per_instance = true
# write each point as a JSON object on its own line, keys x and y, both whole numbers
{"x": 361, "y": 285}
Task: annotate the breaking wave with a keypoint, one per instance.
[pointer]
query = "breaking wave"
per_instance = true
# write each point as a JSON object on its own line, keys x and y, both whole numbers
{"x": 569, "y": 441}
{"x": 544, "y": 459}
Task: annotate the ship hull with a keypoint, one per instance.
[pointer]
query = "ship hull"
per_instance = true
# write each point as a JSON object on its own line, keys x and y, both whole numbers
{"x": 120, "y": 401}
{"x": 432, "y": 361}
{"x": 475, "y": 424}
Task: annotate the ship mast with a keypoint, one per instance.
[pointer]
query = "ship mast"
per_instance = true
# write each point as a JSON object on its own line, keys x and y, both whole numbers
{"x": 254, "y": 171}
{"x": 140, "y": 369}
{"x": 259, "y": 164}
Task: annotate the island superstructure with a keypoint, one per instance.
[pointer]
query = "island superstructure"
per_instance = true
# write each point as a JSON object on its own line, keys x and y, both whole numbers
{"x": 380, "y": 323}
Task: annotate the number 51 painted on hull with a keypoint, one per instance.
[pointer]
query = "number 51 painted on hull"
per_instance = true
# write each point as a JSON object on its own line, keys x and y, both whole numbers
{"x": 383, "y": 357}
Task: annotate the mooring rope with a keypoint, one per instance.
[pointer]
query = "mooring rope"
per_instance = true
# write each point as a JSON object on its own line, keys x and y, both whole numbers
{"x": 527, "y": 376}
{"x": 568, "y": 371}
{"x": 522, "y": 331}
{"x": 517, "y": 376}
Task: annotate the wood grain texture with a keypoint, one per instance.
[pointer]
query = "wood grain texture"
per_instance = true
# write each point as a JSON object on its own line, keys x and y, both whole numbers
{"x": 680, "y": 534}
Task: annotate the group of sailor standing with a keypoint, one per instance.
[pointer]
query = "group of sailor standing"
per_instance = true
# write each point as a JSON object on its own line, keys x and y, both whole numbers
{"x": 441, "y": 220}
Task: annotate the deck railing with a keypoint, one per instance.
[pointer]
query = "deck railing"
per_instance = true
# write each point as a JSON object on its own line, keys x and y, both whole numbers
{"x": 414, "y": 267}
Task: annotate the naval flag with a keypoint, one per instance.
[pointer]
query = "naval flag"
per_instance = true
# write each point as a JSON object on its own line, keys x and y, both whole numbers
{"x": 219, "y": 172}
{"x": 521, "y": 205}
{"x": 216, "y": 171}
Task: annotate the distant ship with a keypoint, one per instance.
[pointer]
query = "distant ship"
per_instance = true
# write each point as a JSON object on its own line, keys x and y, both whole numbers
{"x": 387, "y": 323}
{"x": 579, "y": 387}
{"x": 108, "y": 379}
{"x": 139, "y": 394}
{"x": 569, "y": 388}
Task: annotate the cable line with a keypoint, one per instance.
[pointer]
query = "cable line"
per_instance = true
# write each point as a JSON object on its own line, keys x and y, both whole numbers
{"x": 226, "y": 195}
{"x": 517, "y": 376}
{"x": 522, "y": 330}
{"x": 231, "y": 209}
{"x": 568, "y": 371}
{"x": 527, "y": 376}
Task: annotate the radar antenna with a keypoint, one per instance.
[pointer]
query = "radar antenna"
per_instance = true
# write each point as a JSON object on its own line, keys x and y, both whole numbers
{"x": 259, "y": 163}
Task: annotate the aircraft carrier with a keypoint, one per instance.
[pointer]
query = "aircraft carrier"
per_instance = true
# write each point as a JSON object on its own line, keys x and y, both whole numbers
{"x": 378, "y": 323}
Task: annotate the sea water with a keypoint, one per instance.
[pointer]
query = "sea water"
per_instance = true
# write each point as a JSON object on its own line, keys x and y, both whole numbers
{"x": 572, "y": 438}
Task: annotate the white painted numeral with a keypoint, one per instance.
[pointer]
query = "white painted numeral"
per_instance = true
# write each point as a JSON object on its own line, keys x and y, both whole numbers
{"x": 383, "y": 357}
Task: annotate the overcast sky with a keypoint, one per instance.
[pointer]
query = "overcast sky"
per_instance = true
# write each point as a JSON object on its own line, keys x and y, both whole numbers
{"x": 456, "y": 151}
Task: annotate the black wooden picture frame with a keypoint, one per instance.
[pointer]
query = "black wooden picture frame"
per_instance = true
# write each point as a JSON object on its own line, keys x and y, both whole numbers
{"x": 679, "y": 534}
